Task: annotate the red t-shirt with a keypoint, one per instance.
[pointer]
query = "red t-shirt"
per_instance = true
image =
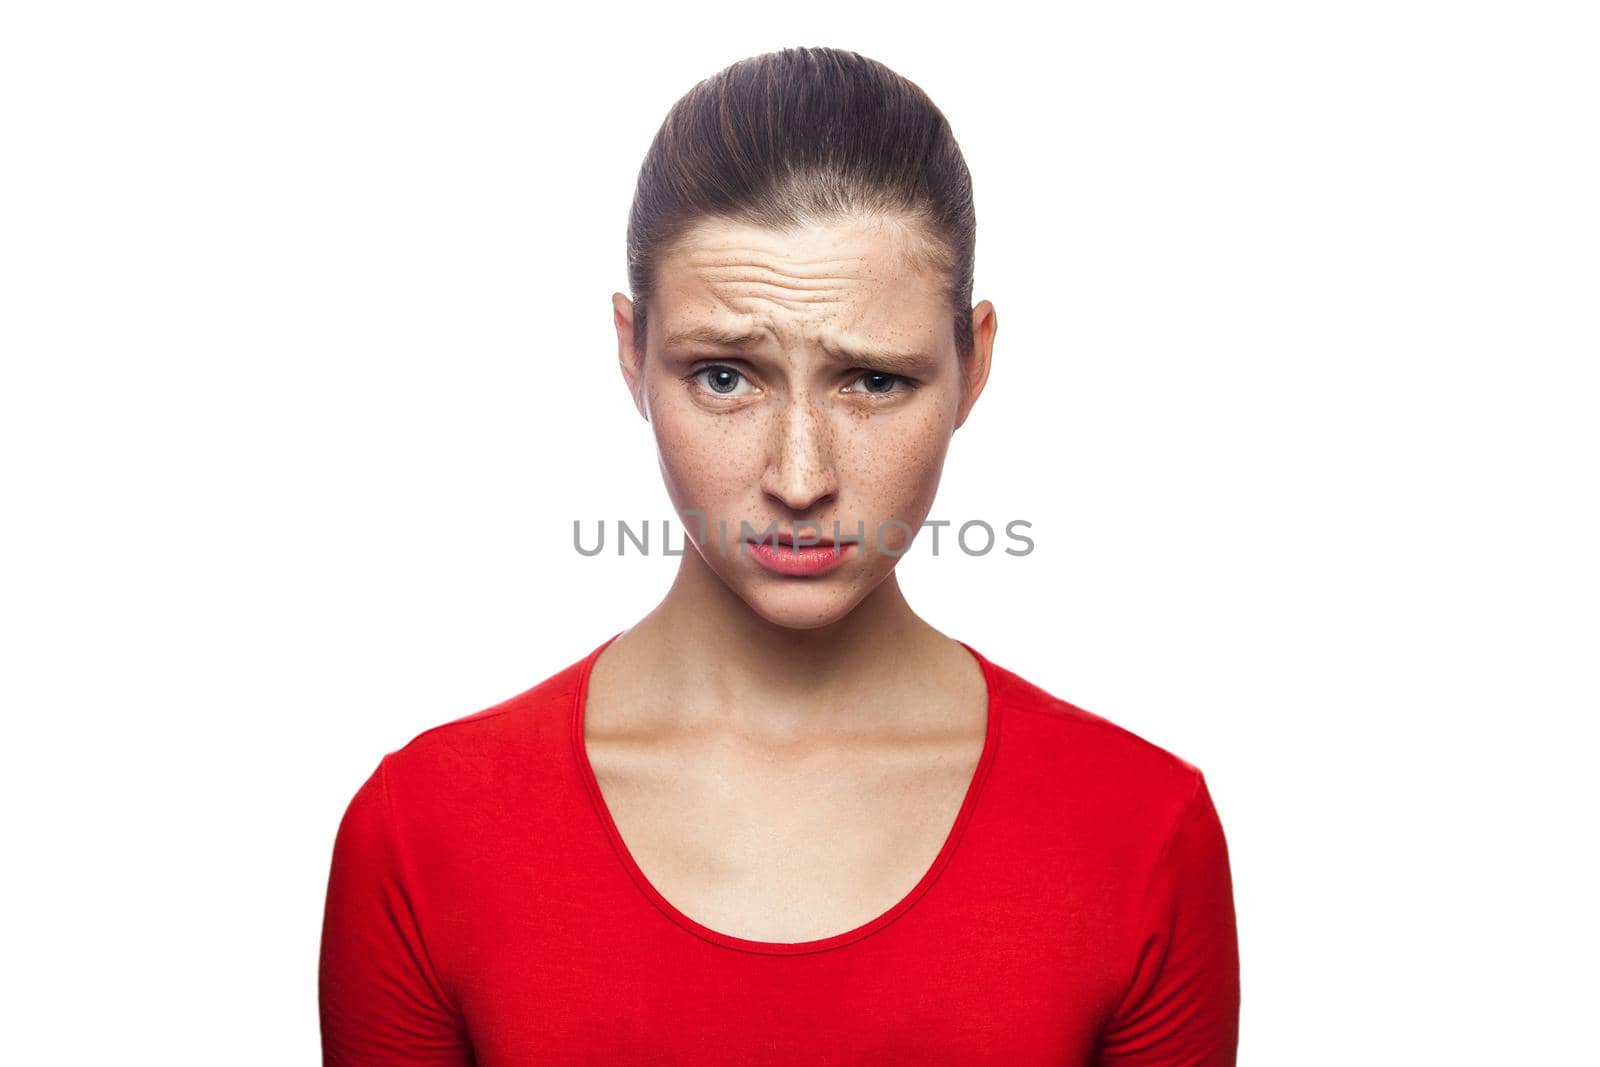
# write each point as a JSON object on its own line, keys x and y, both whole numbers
{"x": 483, "y": 909}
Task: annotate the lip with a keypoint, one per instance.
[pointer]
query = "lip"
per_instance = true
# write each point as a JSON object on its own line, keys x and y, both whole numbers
{"x": 788, "y": 560}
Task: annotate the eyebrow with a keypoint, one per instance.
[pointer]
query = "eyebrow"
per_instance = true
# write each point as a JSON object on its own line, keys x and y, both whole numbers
{"x": 856, "y": 352}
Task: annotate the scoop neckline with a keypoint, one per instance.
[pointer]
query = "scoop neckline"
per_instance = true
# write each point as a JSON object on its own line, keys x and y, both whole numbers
{"x": 942, "y": 860}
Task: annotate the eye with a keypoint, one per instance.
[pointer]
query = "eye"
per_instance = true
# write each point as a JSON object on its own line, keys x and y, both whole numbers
{"x": 720, "y": 380}
{"x": 880, "y": 383}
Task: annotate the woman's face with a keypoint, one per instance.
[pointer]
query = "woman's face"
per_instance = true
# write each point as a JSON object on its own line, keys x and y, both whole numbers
{"x": 803, "y": 380}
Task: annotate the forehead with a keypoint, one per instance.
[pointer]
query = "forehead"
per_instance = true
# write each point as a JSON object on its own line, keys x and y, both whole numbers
{"x": 861, "y": 279}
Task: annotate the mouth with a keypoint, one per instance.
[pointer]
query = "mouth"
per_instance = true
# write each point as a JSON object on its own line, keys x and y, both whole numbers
{"x": 779, "y": 552}
{"x": 788, "y": 541}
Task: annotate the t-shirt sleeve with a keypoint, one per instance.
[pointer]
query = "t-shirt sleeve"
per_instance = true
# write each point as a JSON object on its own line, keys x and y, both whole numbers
{"x": 380, "y": 1001}
{"x": 1181, "y": 1006}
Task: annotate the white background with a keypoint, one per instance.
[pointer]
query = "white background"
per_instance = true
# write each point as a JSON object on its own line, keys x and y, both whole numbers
{"x": 309, "y": 365}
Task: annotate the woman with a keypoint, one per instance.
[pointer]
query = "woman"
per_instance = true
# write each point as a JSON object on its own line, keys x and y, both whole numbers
{"x": 782, "y": 819}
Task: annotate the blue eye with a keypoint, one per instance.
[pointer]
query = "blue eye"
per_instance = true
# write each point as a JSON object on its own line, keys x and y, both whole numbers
{"x": 720, "y": 380}
{"x": 880, "y": 378}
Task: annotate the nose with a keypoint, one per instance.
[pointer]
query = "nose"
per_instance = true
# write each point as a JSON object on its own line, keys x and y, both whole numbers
{"x": 800, "y": 472}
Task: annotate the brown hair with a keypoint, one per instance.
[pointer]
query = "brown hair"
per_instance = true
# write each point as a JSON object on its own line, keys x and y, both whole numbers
{"x": 806, "y": 135}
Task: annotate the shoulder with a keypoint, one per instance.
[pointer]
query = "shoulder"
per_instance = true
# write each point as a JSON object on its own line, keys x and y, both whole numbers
{"x": 1083, "y": 768}
{"x": 470, "y": 760}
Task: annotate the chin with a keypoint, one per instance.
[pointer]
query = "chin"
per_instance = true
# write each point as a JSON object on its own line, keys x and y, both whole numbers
{"x": 791, "y": 616}
{"x": 799, "y": 604}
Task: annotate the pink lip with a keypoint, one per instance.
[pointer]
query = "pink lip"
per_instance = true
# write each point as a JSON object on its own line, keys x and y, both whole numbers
{"x": 808, "y": 559}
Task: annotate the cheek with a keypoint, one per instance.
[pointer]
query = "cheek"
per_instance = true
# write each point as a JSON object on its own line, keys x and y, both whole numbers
{"x": 893, "y": 468}
{"x": 706, "y": 462}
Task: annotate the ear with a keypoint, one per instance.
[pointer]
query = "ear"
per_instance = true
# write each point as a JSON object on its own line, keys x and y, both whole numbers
{"x": 631, "y": 362}
{"x": 975, "y": 370}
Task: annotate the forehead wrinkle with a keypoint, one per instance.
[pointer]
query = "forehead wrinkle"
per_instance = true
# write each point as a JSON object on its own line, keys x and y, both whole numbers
{"x": 789, "y": 299}
{"x": 904, "y": 240}
{"x": 747, "y": 275}
{"x": 771, "y": 299}
{"x": 744, "y": 278}
{"x": 738, "y": 259}
{"x": 732, "y": 256}
{"x": 752, "y": 298}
